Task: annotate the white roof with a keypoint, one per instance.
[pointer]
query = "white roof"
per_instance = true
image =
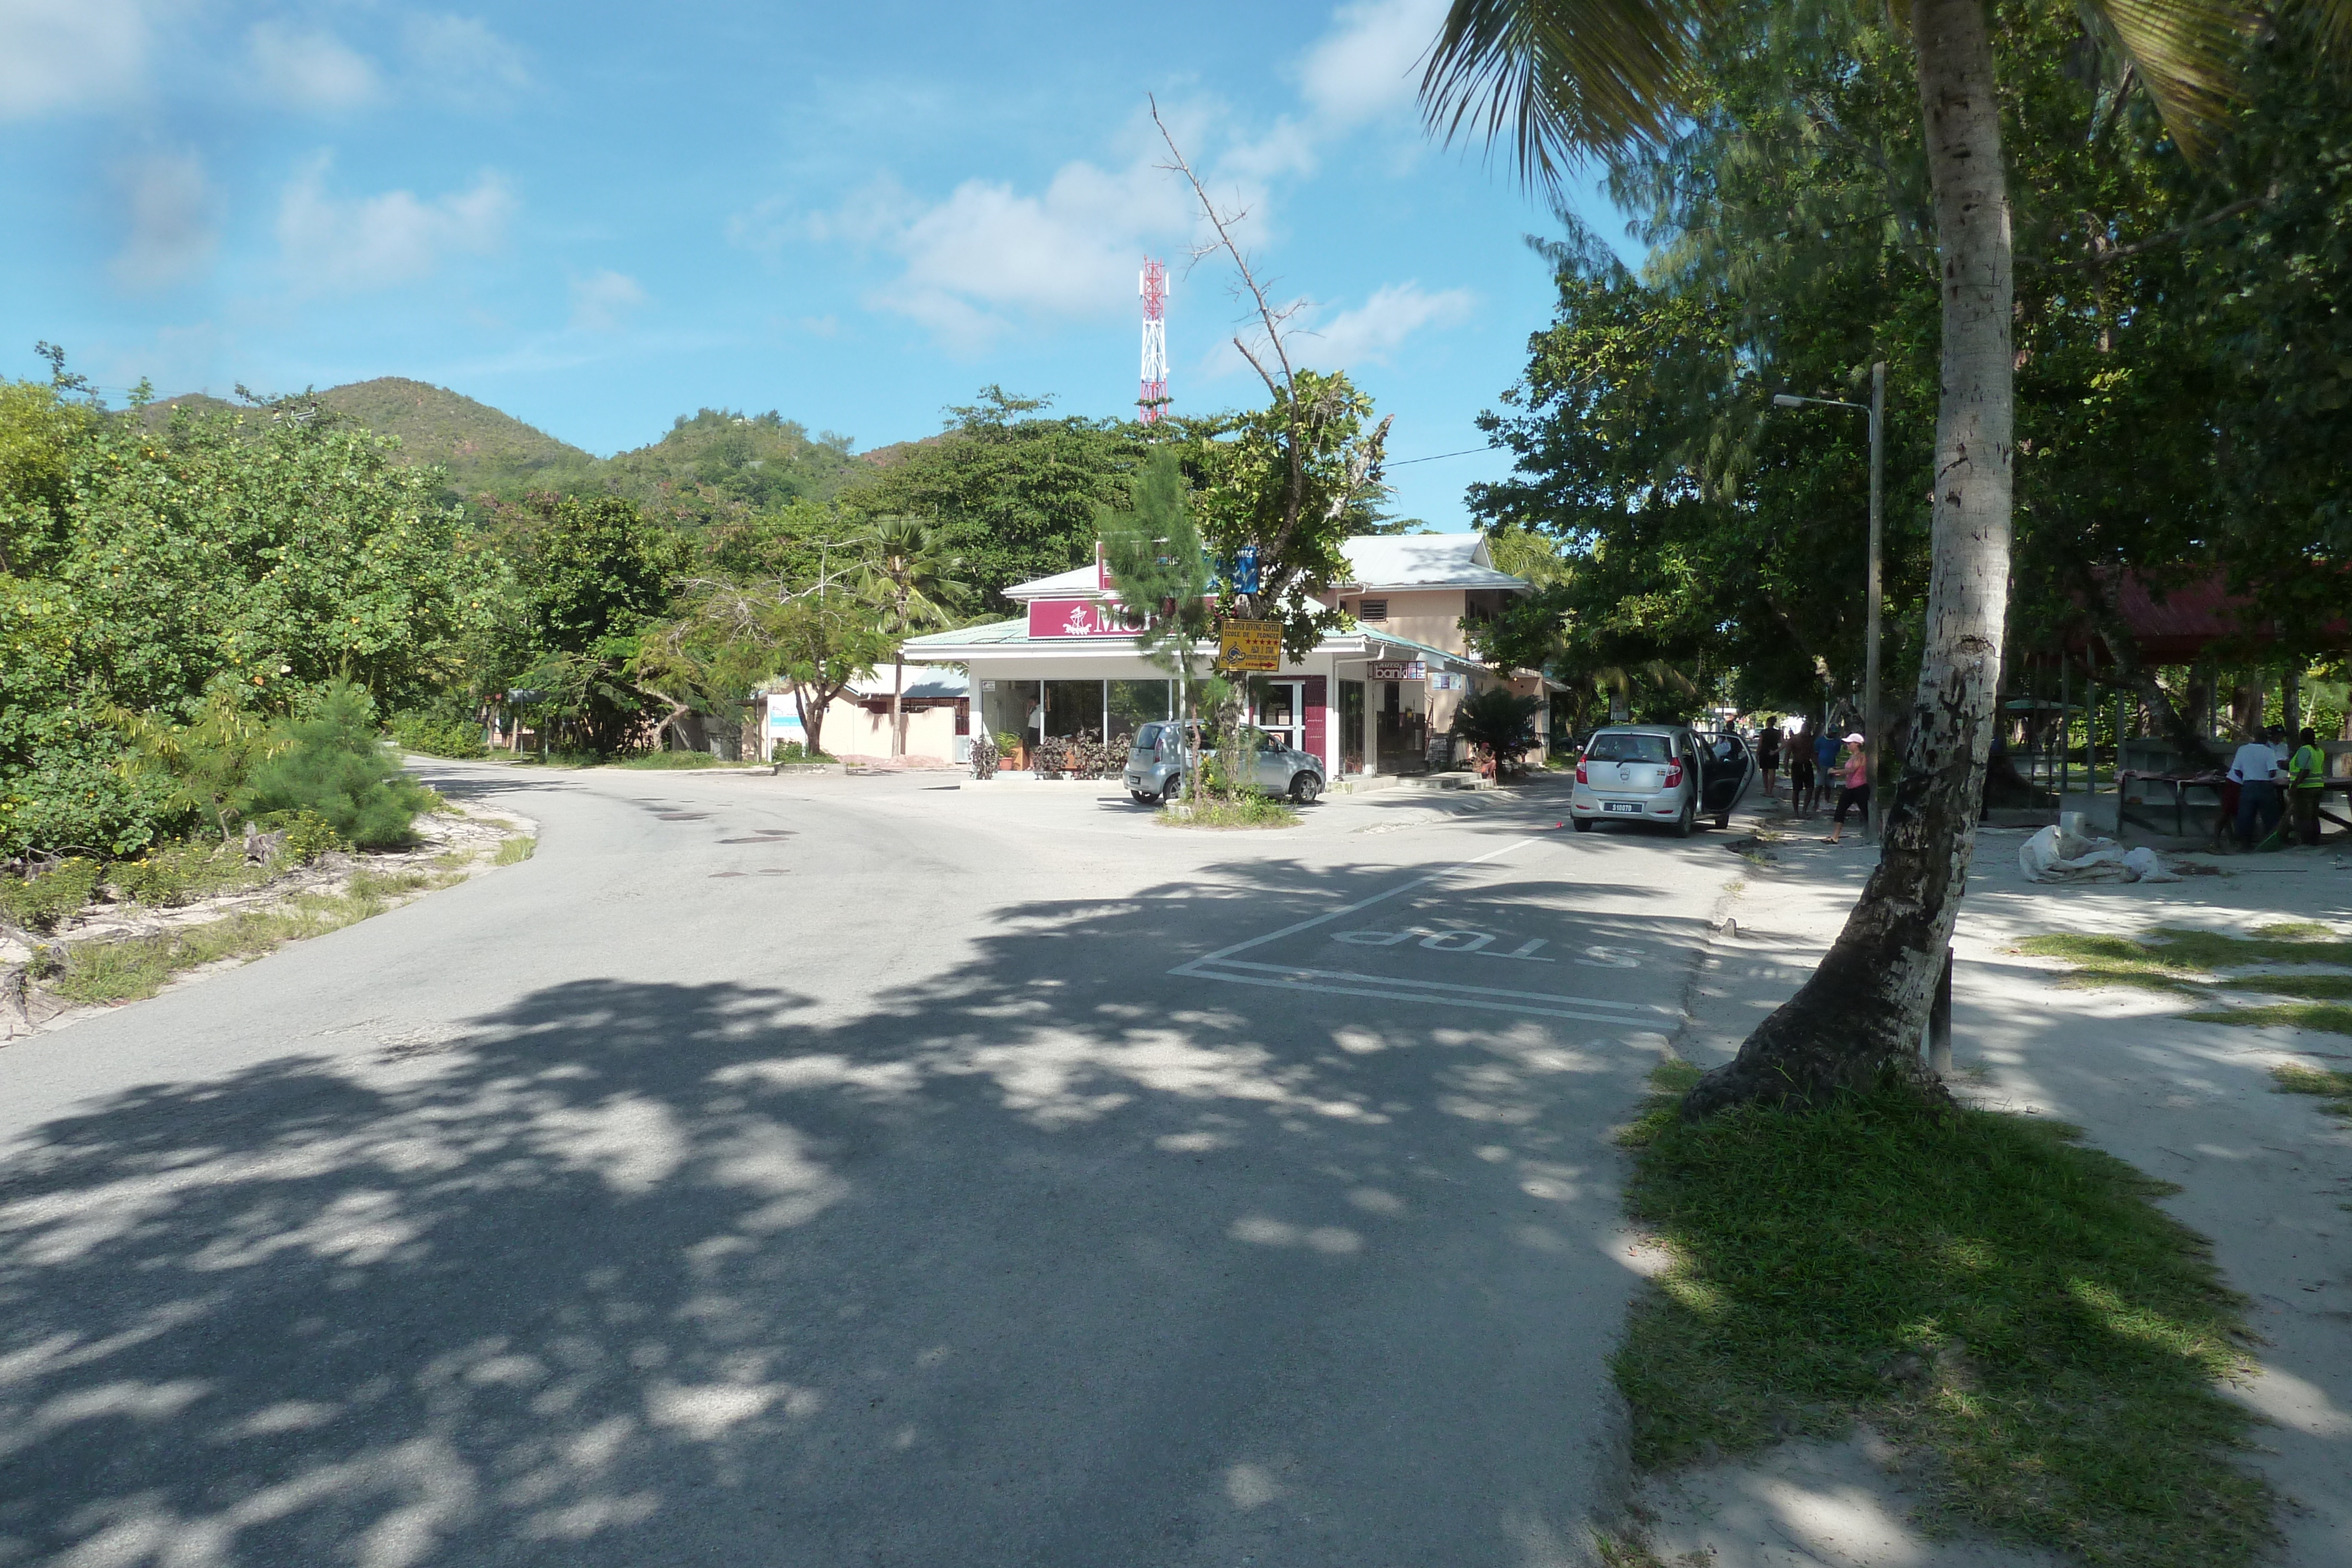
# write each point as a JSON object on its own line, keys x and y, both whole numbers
{"x": 1394, "y": 562}
{"x": 1078, "y": 582}
{"x": 1379, "y": 562}
{"x": 921, "y": 681}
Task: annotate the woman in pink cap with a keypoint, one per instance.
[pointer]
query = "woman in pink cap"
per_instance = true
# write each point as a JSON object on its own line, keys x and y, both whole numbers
{"x": 1854, "y": 770}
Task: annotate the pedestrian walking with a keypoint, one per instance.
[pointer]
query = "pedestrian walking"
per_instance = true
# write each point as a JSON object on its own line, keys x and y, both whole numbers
{"x": 1854, "y": 777}
{"x": 1801, "y": 771}
{"x": 2256, "y": 772}
{"x": 2307, "y": 774}
{"x": 1768, "y": 758}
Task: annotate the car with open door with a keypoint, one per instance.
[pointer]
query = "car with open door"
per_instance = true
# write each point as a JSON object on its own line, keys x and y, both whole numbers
{"x": 1663, "y": 774}
{"x": 1155, "y": 765}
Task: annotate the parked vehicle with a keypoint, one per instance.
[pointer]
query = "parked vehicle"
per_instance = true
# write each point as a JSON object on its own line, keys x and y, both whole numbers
{"x": 1668, "y": 775}
{"x": 1155, "y": 766}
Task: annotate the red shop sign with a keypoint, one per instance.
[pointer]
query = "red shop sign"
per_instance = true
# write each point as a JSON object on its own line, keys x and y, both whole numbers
{"x": 1082, "y": 618}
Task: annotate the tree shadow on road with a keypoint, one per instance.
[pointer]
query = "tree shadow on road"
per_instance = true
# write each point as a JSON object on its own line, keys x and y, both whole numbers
{"x": 970, "y": 1271}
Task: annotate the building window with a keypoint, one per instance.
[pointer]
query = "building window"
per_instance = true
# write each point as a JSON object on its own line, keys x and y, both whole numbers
{"x": 1372, "y": 610}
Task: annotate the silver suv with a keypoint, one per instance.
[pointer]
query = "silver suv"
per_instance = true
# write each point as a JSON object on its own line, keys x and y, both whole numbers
{"x": 1155, "y": 765}
{"x": 1661, "y": 773}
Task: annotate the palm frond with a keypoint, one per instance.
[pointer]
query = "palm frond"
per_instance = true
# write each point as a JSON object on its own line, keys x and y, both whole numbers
{"x": 1561, "y": 80}
{"x": 2187, "y": 54}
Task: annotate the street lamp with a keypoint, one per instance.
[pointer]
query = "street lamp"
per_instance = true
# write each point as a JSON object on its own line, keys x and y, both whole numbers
{"x": 1876, "y": 410}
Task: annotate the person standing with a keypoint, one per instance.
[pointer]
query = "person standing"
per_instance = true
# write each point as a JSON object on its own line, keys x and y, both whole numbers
{"x": 2307, "y": 774}
{"x": 1855, "y": 786}
{"x": 2255, "y": 770}
{"x": 1800, "y": 771}
{"x": 1768, "y": 758}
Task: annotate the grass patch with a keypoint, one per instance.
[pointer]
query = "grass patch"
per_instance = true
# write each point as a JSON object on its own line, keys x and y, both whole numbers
{"x": 514, "y": 850}
{"x": 2003, "y": 1301}
{"x": 670, "y": 761}
{"x": 2189, "y": 963}
{"x": 137, "y": 968}
{"x": 1241, "y": 812}
{"x": 2324, "y": 1017}
{"x": 2334, "y": 1088}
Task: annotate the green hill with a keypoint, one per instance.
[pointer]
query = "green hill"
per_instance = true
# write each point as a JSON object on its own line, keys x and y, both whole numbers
{"x": 483, "y": 449}
{"x": 712, "y": 462}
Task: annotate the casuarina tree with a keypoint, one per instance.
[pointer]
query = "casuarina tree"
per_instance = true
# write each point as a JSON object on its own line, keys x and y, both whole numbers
{"x": 1561, "y": 80}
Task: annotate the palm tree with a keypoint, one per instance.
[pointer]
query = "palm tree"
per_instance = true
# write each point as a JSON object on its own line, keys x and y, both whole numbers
{"x": 1564, "y": 80}
{"x": 908, "y": 570}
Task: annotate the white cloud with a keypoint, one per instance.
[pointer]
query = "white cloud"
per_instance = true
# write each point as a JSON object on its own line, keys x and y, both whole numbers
{"x": 601, "y": 300}
{"x": 1370, "y": 333}
{"x": 310, "y": 70}
{"x": 344, "y": 244}
{"x": 462, "y": 59}
{"x": 174, "y": 220}
{"x": 1367, "y": 66}
{"x": 67, "y": 53}
{"x": 990, "y": 255}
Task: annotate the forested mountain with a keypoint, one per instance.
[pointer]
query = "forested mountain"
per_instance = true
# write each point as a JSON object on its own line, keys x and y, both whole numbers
{"x": 712, "y": 462}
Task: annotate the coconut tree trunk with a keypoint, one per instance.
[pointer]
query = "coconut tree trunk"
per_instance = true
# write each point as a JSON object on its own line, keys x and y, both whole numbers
{"x": 1861, "y": 1015}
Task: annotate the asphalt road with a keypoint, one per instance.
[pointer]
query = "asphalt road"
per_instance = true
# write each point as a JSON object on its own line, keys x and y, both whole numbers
{"x": 838, "y": 1171}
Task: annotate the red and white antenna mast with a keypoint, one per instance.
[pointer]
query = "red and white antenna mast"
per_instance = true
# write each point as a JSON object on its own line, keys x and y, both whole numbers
{"x": 1153, "y": 286}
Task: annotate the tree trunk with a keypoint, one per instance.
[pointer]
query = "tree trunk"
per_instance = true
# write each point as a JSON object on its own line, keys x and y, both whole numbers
{"x": 812, "y": 725}
{"x": 1859, "y": 1018}
{"x": 897, "y": 683}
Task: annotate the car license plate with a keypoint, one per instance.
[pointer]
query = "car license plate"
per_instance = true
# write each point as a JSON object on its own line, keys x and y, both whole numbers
{"x": 1621, "y": 806}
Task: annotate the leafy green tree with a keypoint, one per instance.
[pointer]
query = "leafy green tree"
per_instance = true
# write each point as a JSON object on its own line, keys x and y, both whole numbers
{"x": 1498, "y": 722}
{"x": 914, "y": 577}
{"x": 1162, "y": 572}
{"x": 592, "y": 575}
{"x": 1012, "y": 492}
{"x": 1564, "y": 80}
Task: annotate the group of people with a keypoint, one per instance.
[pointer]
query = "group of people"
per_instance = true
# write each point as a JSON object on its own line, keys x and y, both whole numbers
{"x": 2263, "y": 768}
{"x": 1816, "y": 757}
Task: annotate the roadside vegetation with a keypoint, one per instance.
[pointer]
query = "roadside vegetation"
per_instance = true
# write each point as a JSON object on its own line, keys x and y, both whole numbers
{"x": 2007, "y": 1306}
{"x": 2201, "y": 964}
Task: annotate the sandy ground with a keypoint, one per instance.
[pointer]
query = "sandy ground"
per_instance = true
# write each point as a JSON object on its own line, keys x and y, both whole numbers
{"x": 2266, "y": 1175}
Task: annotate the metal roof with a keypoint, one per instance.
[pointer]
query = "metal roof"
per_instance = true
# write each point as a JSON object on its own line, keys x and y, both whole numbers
{"x": 1378, "y": 563}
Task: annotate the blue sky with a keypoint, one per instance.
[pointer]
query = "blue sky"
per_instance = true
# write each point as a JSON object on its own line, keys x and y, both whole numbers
{"x": 598, "y": 217}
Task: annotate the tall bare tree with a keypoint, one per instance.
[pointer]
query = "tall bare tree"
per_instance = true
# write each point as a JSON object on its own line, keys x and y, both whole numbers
{"x": 1562, "y": 81}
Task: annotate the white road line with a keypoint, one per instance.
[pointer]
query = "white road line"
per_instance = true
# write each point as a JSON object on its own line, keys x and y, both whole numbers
{"x": 1444, "y": 985}
{"x": 1309, "y": 925}
{"x": 1448, "y": 1001}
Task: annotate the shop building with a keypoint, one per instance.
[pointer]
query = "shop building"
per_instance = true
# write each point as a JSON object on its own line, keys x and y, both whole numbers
{"x": 1367, "y": 701}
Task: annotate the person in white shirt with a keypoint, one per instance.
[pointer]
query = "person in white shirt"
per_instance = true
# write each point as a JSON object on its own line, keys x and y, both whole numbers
{"x": 2256, "y": 770}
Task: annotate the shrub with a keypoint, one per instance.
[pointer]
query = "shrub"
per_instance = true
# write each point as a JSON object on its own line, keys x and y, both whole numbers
{"x": 670, "y": 761}
{"x": 435, "y": 736}
{"x": 984, "y": 757}
{"x": 333, "y": 763}
{"x": 170, "y": 876}
{"x": 39, "y": 902}
{"x": 308, "y": 834}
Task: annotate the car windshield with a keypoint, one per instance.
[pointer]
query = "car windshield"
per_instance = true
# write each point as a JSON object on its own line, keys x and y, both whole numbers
{"x": 1627, "y": 745}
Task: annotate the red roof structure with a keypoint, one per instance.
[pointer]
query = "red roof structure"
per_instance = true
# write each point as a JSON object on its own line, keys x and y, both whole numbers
{"x": 2177, "y": 625}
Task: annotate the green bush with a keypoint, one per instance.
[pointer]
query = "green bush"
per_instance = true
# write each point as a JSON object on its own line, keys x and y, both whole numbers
{"x": 170, "y": 876}
{"x": 334, "y": 764}
{"x": 667, "y": 761}
{"x": 435, "y": 736}
{"x": 308, "y": 835}
{"x": 39, "y": 902}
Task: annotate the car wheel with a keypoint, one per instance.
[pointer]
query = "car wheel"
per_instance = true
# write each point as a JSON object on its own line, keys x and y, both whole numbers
{"x": 1171, "y": 791}
{"x": 1723, "y": 818}
{"x": 1583, "y": 824}
{"x": 1305, "y": 788}
{"x": 1688, "y": 820}
{"x": 1139, "y": 798}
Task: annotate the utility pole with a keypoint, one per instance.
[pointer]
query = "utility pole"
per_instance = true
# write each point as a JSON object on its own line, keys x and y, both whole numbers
{"x": 1871, "y": 731}
{"x": 1152, "y": 285}
{"x": 1876, "y": 410}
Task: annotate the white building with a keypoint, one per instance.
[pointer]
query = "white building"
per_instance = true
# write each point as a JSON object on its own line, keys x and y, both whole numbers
{"x": 1366, "y": 700}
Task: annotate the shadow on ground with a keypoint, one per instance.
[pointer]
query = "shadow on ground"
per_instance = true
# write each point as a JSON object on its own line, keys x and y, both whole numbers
{"x": 653, "y": 1273}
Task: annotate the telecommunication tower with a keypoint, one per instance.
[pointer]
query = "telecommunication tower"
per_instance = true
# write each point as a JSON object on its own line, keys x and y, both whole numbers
{"x": 1152, "y": 284}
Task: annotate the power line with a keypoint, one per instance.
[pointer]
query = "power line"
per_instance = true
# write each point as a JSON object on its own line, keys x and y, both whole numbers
{"x": 1464, "y": 452}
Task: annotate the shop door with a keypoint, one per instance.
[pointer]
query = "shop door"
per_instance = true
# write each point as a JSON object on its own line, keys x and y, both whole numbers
{"x": 1351, "y": 726}
{"x": 1282, "y": 712}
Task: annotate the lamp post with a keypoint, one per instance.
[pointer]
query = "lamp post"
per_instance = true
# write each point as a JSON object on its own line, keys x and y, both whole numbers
{"x": 1876, "y": 410}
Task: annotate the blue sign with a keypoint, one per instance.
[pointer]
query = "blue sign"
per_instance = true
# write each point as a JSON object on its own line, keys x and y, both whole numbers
{"x": 1245, "y": 570}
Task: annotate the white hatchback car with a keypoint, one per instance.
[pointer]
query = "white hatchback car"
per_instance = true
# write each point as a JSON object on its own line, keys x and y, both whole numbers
{"x": 1659, "y": 773}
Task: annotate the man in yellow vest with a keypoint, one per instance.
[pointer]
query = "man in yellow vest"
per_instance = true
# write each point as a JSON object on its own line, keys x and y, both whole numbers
{"x": 2306, "y": 784}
